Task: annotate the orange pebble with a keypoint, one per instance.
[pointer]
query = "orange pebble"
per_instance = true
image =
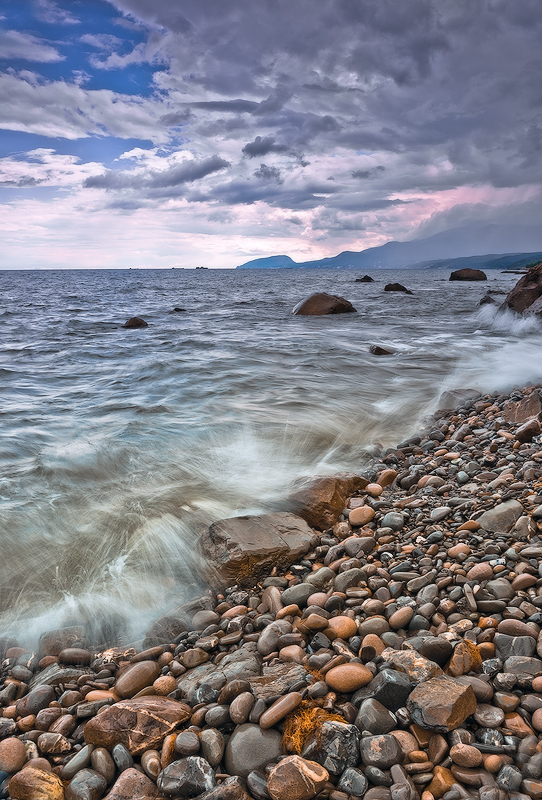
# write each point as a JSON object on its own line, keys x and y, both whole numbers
{"x": 165, "y": 684}
{"x": 493, "y": 763}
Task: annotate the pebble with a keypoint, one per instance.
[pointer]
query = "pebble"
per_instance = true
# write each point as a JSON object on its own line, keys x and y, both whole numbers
{"x": 348, "y": 677}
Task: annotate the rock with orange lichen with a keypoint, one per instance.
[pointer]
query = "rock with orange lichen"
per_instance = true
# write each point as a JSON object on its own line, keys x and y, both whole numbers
{"x": 465, "y": 658}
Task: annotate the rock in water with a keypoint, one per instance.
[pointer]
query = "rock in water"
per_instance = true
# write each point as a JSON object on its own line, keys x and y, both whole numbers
{"x": 468, "y": 275}
{"x": 135, "y": 322}
{"x": 321, "y": 303}
{"x": 396, "y": 287}
{"x": 365, "y": 279}
{"x": 376, "y": 350}
{"x": 526, "y": 294}
{"x": 244, "y": 549}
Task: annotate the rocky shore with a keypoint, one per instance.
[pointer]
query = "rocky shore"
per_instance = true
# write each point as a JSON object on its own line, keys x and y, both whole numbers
{"x": 380, "y": 638}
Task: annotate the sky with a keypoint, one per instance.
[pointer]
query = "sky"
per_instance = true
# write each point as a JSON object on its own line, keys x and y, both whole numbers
{"x": 183, "y": 133}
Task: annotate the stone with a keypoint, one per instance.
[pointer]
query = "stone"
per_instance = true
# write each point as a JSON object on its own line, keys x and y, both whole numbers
{"x": 139, "y": 724}
{"x": 86, "y": 785}
{"x": 464, "y": 755}
{"x": 443, "y": 780}
{"x": 135, "y": 322}
{"x": 488, "y": 716}
{"x": 391, "y": 688}
{"x": 396, "y": 287}
{"x": 35, "y": 784}
{"x": 241, "y": 706}
{"x": 527, "y": 431}
{"x": 436, "y": 649}
{"x": 131, "y": 784}
{"x": 102, "y": 762}
{"x": 502, "y": 517}
{"x": 412, "y": 664}
{"x": 277, "y": 679}
{"x": 343, "y": 627}
{"x": 465, "y": 658}
{"x": 51, "y": 643}
{"x": 348, "y": 677}
{"x": 335, "y": 745}
{"x": 245, "y": 549}
{"x": 518, "y": 412}
{"x": 320, "y": 500}
{"x": 380, "y": 751}
{"x": 232, "y": 788}
{"x": 526, "y": 292}
{"x": 35, "y": 701}
{"x": 136, "y": 677}
{"x": 296, "y": 778}
{"x": 375, "y": 718}
{"x": 188, "y": 777}
{"x": 12, "y": 754}
{"x": 75, "y": 655}
{"x": 441, "y": 704}
{"x": 279, "y": 709}
{"x": 468, "y": 274}
{"x": 353, "y": 782}
{"x": 361, "y": 516}
{"x": 251, "y": 748}
{"x": 377, "y": 350}
{"x": 322, "y": 303}
{"x": 212, "y": 746}
{"x": 79, "y": 761}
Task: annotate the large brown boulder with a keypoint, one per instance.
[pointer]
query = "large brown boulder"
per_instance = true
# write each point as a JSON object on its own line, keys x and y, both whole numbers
{"x": 321, "y": 499}
{"x": 526, "y": 293}
{"x": 468, "y": 274}
{"x": 139, "y": 724}
{"x": 321, "y": 303}
{"x": 441, "y": 704}
{"x": 396, "y": 287}
{"x": 244, "y": 549}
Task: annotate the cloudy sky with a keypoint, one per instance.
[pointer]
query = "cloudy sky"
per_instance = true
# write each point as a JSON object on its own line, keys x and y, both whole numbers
{"x": 159, "y": 133}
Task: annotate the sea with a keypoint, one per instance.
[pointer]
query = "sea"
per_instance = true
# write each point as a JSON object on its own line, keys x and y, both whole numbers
{"x": 118, "y": 447}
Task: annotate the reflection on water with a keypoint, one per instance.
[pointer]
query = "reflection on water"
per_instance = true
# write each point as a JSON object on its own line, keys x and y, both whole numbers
{"x": 118, "y": 447}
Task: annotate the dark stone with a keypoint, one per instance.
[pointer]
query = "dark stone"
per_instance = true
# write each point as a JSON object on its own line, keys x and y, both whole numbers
{"x": 86, "y": 785}
{"x": 322, "y": 303}
{"x": 135, "y": 322}
{"x": 188, "y": 777}
{"x": 376, "y": 350}
{"x": 526, "y": 293}
{"x": 251, "y": 748}
{"x": 391, "y": 688}
{"x": 353, "y": 781}
{"x": 335, "y": 746}
{"x": 245, "y": 549}
{"x": 468, "y": 274}
{"x": 321, "y": 500}
{"x": 380, "y": 751}
{"x": 396, "y": 287}
{"x": 365, "y": 279}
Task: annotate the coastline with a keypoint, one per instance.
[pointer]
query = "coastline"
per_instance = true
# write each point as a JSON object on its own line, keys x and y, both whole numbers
{"x": 396, "y": 655}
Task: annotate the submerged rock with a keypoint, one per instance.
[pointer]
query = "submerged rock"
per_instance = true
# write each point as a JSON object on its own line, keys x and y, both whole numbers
{"x": 135, "y": 322}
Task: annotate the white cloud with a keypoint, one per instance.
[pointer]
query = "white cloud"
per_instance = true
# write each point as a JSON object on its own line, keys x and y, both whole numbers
{"x": 14, "y": 44}
{"x": 51, "y": 12}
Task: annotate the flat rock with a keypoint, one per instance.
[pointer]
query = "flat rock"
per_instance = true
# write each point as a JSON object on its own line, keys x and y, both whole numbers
{"x": 441, "y": 704}
{"x": 139, "y": 724}
{"x": 411, "y": 663}
{"x": 277, "y": 679}
{"x": 245, "y": 549}
{"x": 502, "y": 517}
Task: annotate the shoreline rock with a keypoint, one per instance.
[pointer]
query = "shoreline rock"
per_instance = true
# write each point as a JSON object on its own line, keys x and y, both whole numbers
{"x": 393, "y": 653}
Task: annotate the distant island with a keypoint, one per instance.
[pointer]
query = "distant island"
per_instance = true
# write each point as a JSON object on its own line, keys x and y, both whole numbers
{"x": 478, "y": 247}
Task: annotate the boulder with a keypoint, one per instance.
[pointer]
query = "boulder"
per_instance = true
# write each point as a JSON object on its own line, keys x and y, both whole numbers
{"x": 135, "y": 322}
{"x": 321, "y": 303}
{"x": 441, "y": 704}
{"x": 365, "y": 279}
{"x": 321, "y": 500}
{"x": 396, "y": 287}
{"x": 244, "y": 549}
{"x": 517, "y": 412}
{"x": 526, "y": 292}
{"x": 468, "y": 275}
{"x": 131, "y": 784}
{"x": 487, "y": 299}
{"x": 501, "y": 517}
{"x": 376, "y": 350}
{"x": 295, "y": 778}
{"x": 36, "y": 784}
{"x": 139, "y": 724}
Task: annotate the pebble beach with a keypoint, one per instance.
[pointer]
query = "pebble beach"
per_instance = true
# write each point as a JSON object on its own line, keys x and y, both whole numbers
{"x": 384, "y": 642}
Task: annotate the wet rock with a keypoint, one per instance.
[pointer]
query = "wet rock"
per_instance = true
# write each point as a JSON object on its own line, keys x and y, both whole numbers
{"x": 135, "y": 322}
{"x": 348, "y": 677}
{"x": 188, "y": 777}
{"x": 132, "y": 785}
{"x": 412, "y": 664}
{"x": 36, "y": 784}
{"x": 320, "y": 500}
{"x": 244, "y": 549}
{"x": 468, "y": 274}
{"x": 12, "y": 754}
{"x": 380, "y": 751}
{"x": 86, "y": 785}
{"x": 251, "y": 748}
{"x": 526, "y": 292}
{"x": 140, "y": 724}
{"x": 277, "y": 679}
{"x": 375, "y": 718}
{"x": 335, "y": 745}
{"x": 396, "y": 287}
{"x": 441, "y": 704}
{"x": 353, "y": 782}
{"x": 296, "y": 778}
{"x": 377, "y": 350}
{"x": 502, "y": 517}
{"x": 322, "y": 303}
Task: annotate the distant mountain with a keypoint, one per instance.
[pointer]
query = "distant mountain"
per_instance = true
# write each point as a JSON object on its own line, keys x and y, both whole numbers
{"x": 490, "y": 261}
{"x": 271, "y": 262}
{"x": 454, "y": 243}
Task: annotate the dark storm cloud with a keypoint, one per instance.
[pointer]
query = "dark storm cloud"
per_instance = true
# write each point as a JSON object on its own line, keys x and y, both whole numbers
{"x": 262, "y": 145}
{"x": 265, "y": 173}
